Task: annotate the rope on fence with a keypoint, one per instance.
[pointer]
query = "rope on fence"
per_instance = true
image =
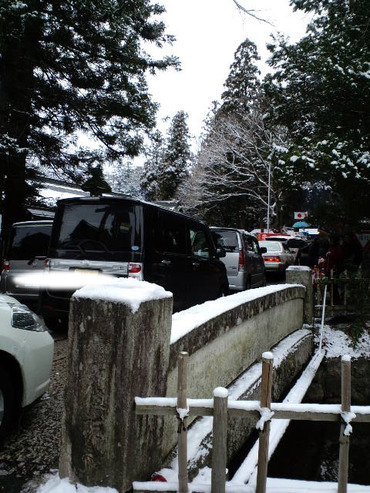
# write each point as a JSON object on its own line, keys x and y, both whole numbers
{"x": 221, "y": 408}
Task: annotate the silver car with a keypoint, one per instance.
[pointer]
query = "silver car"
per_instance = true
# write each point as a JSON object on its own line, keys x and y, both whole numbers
{"x": 244, "y": 263}
{"x": 25, "y": 253}
{"x": 277, "y": 256}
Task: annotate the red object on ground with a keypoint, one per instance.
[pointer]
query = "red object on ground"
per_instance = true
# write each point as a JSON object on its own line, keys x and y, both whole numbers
{"x": 158, "y": 477}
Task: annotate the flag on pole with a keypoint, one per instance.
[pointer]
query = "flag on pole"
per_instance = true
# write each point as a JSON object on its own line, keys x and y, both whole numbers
{"x": 300, "y": 215}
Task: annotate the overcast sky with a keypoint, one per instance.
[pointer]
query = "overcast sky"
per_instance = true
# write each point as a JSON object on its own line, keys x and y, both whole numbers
{"x": 208, "y": 32}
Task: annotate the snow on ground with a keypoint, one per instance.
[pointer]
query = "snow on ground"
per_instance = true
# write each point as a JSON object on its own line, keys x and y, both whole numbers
{"x": 337, "y": 343}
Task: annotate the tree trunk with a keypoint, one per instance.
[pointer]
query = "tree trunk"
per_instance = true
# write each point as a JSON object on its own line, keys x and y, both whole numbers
{"x": 16, "y": 72}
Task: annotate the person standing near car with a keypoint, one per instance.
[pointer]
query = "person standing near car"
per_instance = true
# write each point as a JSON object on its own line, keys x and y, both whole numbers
{"x": 318, "y": 249}
{"x": 335, "y": 265}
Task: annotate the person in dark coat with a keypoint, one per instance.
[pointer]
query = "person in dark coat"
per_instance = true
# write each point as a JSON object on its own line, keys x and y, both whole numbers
{"x": 318, "y": 249}
{"x": 335, "y": 256}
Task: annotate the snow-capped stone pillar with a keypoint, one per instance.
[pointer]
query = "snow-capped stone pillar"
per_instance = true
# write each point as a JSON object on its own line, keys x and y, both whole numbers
{"x": 118, "y": 348}
{"x": 301, "y": 274}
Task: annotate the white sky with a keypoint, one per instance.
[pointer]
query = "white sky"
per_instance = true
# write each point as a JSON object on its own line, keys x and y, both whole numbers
{"x": 208, "y": 32}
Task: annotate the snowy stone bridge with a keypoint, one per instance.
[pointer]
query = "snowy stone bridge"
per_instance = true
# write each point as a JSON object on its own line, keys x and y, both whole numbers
{"x": 124, "y": 342}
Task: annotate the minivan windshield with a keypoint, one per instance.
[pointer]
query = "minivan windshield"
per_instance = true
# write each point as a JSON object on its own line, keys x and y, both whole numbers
{"x": 110, "y": 227}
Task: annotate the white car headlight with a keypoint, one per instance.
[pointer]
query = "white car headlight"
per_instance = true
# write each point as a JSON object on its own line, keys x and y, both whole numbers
{"x": 24, "y": 318}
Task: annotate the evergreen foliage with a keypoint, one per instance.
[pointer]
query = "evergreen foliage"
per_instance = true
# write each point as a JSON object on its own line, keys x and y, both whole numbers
{"x": 125, "y": 178}
{"x": 153, "y": 167}
{"x": 238, "y": 152}
{"x": 177, "y": 157}
{"x": 67, "y": 68}
{"x": 168, "y": 161}
{"x": 242, "y": 86}
{"x": 320, "y": 90}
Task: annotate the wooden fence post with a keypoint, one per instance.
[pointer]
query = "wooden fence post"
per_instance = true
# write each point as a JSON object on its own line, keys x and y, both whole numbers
{"x": 219, "y": 446}
{"x": 344, "y": 435}
{"x": 182, "y": 431}
{"x": 264, "y": 434}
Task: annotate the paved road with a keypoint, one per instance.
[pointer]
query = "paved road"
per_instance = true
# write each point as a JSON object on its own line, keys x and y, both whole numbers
{"x": 32, "y": 450}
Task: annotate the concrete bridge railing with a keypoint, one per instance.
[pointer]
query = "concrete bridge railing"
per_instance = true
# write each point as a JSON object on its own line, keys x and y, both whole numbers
{"x": 124, "y": 342}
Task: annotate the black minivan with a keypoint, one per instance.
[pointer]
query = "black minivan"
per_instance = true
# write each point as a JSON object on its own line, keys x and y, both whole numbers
{"x": 125, "y": 237}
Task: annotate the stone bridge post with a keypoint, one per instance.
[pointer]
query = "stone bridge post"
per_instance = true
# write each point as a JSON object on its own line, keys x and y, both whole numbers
{"x": 119, "y": 340}
{"x": 301, "y": 274}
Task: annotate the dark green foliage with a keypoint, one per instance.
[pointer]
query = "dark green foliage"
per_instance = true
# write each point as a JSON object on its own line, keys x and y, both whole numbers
{"x": 168, "y": 161}
{"x": 177, "y": 157}
{"x": 243, "y": 82}
{"x": 72, "y": 67}
{"x": 320, "y": 90}
{"x": 152, "y": 167}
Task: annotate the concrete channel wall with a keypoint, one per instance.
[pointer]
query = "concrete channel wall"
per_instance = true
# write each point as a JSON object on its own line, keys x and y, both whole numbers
{"x": 290, "y": 358}
{"x": 222, "y": 348}
{"x": 122, "y": 345}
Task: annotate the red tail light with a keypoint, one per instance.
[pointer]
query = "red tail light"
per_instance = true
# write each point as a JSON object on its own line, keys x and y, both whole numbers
{"x": 6, "y": 265}
{"x": 272, "y": 259}
{"x": 134, "y": 268}
{"x": 241, "y": 259}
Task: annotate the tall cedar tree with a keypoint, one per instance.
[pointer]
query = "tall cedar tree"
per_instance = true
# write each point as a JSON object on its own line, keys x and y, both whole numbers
{"x": 176, "y": 159}
{"x": 70, "y": 67}
{"x": 152, "y": 167}
{"x": 238, "y": 149}
{"x": 320, "y": 90}
{"x": 242, "y": 86}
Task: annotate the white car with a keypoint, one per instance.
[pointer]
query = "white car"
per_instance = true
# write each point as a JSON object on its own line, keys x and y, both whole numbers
{"x": 26, "y": 358}
{"x": 277, "y": 257}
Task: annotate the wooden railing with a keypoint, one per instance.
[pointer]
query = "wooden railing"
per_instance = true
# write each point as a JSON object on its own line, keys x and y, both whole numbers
{"x": 220, "y": 408}
{"x": 344, "y": 292}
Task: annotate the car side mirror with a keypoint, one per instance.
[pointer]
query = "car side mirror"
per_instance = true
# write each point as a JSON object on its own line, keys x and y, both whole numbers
{"x": 220, "y": 252}
{"x": 263, "y": 250}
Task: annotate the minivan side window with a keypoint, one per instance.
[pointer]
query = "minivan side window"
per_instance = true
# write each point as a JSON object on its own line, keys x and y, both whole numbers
{"x": 229, "y": 241}
{"x": 199, "y": 242}
{"x": 172, "y": 239}
{"x": 252, "y": 245}
{"x": 28, "y": 242}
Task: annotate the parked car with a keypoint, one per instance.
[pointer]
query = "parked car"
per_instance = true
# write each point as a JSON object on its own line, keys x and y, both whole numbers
{"x": 124, "y": 237}
{"x": 243, "y": 260}
{"x": 300, "y": 248}
{"x": 277, "y": 256}
{"x": 25, "y": 253}
{"x": 296, "y": 245}
{"x": 277, "y": 237}
{"x": 26, "y": 357}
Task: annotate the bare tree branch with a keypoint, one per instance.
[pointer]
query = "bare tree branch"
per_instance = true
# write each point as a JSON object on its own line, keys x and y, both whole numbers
{"x": 251, "y": 13}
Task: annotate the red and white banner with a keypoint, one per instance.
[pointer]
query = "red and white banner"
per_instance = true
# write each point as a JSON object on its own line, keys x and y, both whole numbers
{"x": 300, "y": 215}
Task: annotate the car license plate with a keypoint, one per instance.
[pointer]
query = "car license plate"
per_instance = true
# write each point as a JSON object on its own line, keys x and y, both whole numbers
{"x": 86, "y": 271}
